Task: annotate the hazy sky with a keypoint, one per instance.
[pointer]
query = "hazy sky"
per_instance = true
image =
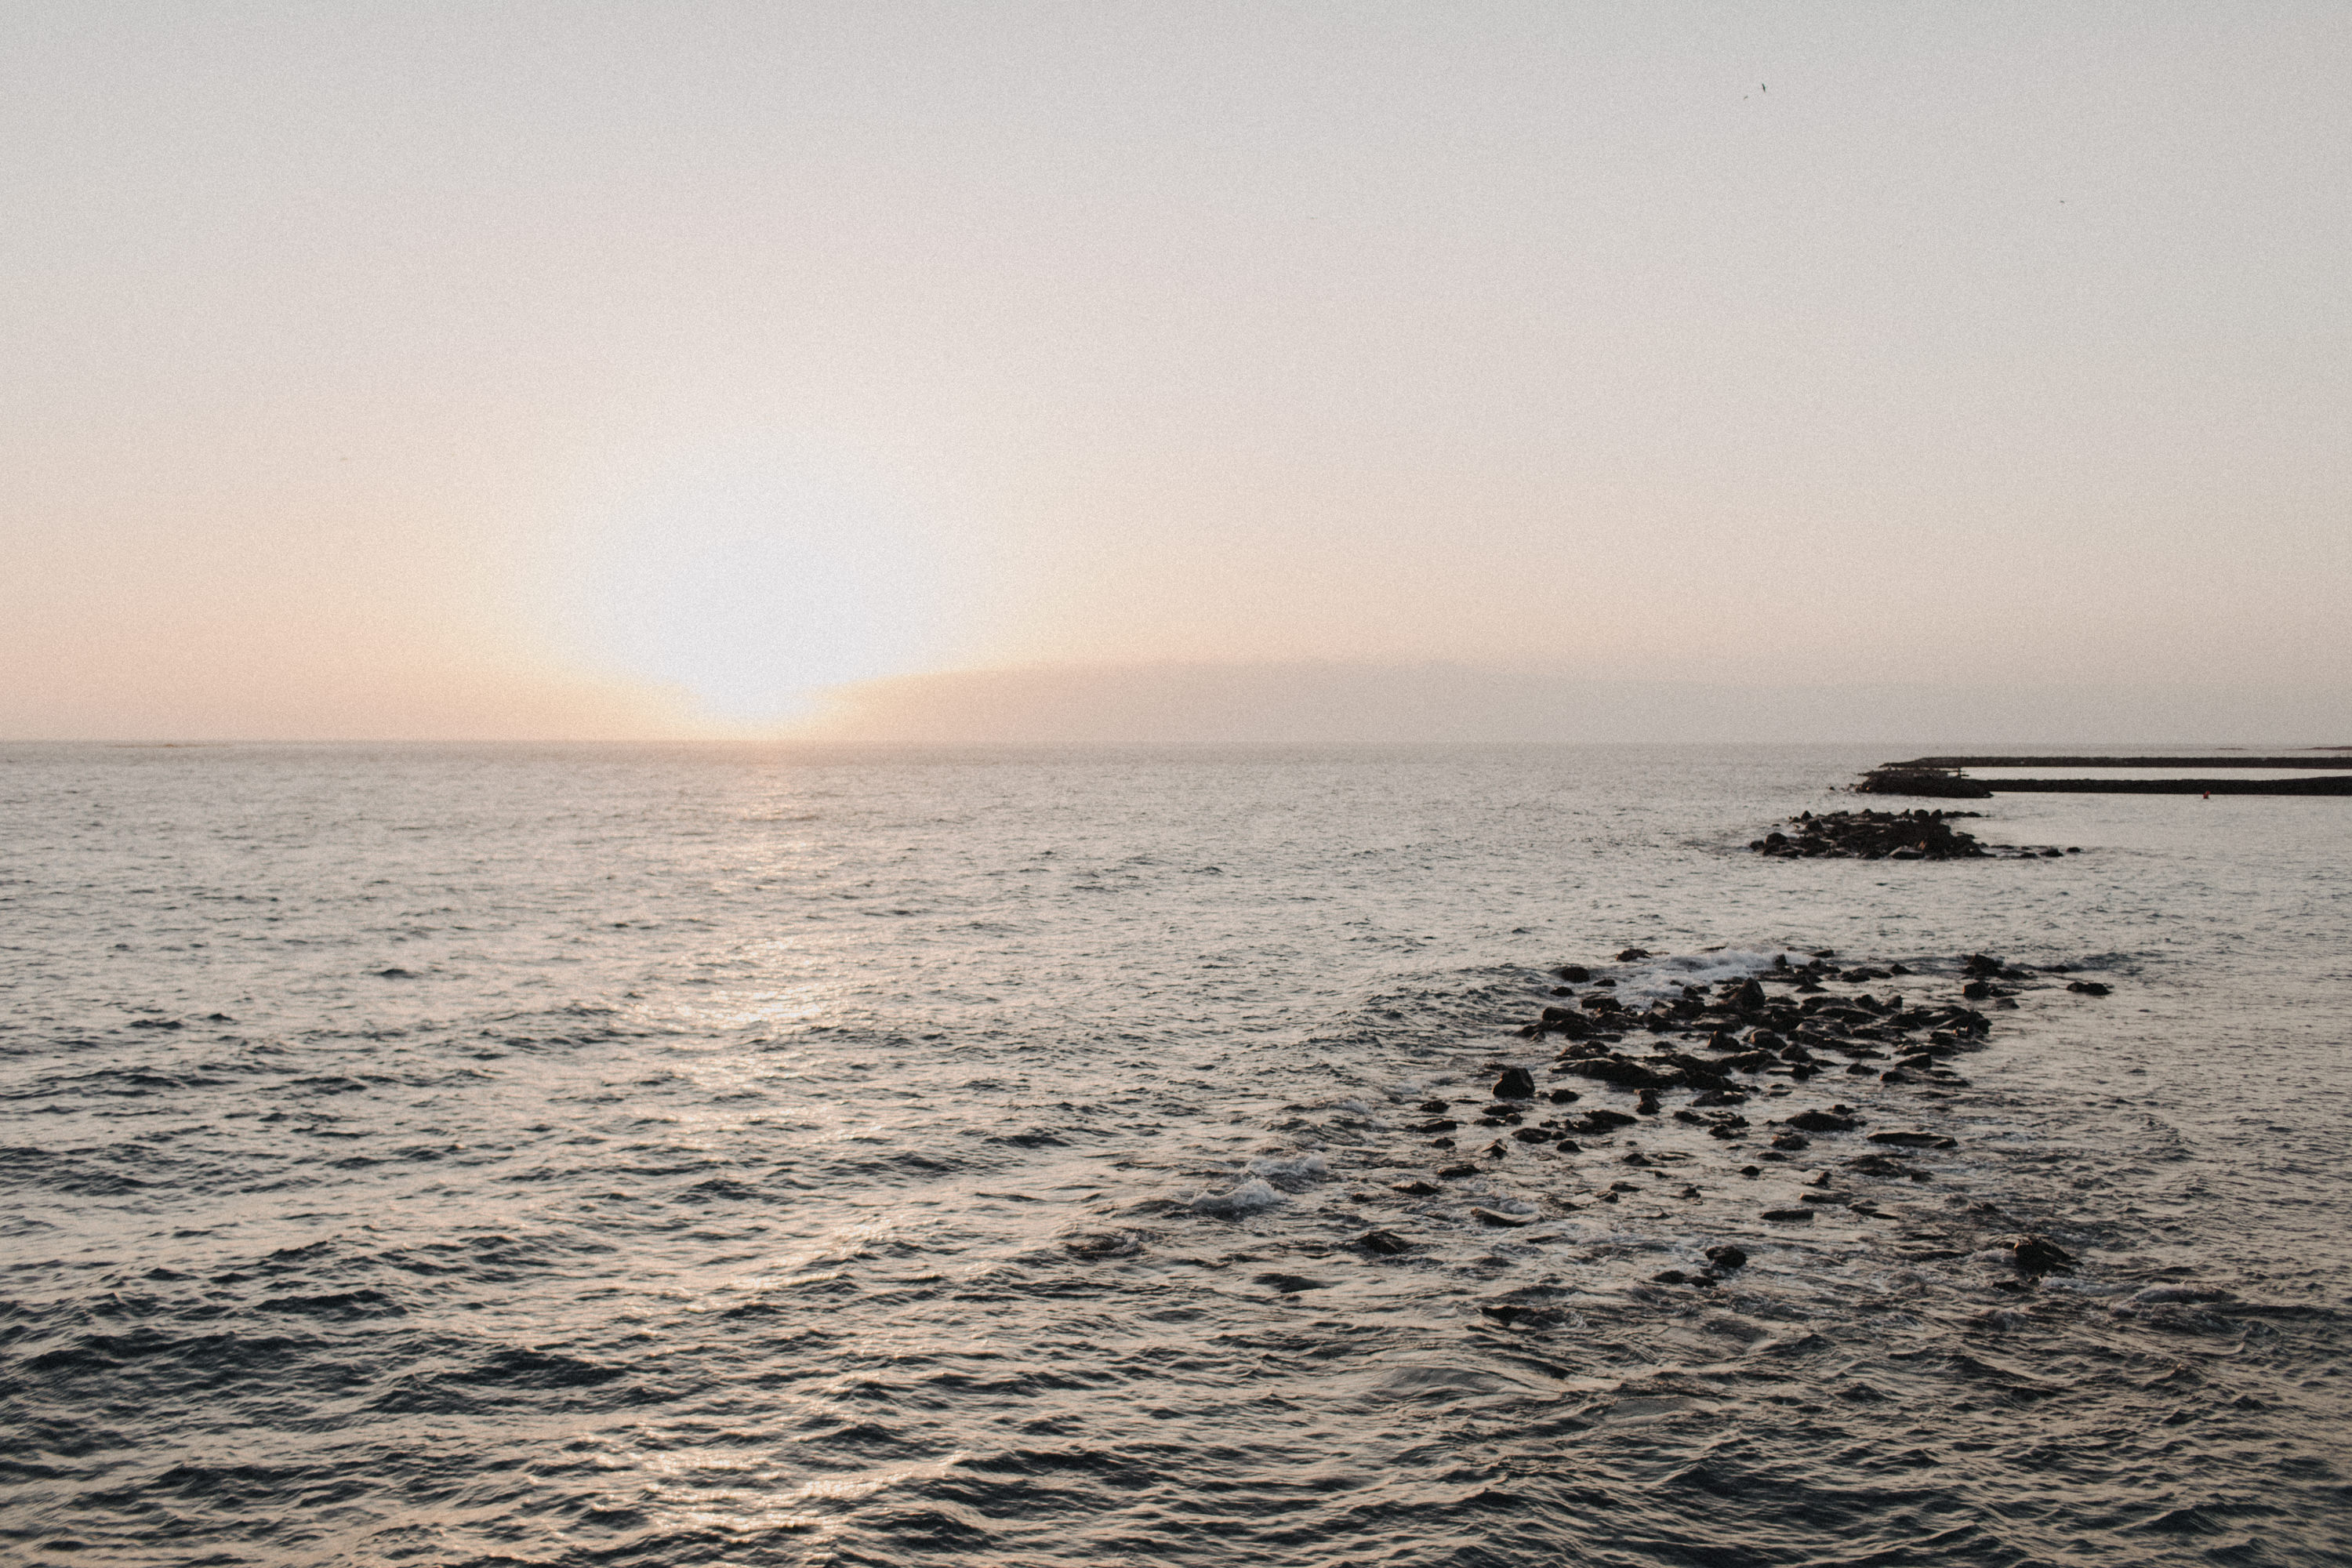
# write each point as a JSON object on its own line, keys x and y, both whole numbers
{"x": 577, "y": 369}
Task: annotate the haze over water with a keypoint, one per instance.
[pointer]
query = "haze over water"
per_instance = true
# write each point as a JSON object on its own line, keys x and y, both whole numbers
{"x": 557, "y": 1156}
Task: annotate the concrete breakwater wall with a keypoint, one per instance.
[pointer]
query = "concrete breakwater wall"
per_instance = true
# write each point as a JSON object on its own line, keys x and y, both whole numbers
{"x": 1944, "y": 778}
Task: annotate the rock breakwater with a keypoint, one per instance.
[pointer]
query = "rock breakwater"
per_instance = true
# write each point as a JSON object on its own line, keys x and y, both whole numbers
{"x": 1917, "y": 835}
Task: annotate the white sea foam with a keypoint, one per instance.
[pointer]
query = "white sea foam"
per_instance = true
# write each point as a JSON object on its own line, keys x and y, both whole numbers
{"x": 1668, "y": 974}
{"x": 1249, "y": 1198}
{"x": 1292, "y": 1173}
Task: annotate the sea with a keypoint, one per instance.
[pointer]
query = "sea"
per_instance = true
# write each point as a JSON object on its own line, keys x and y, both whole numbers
{"x": 686, "y": 1155}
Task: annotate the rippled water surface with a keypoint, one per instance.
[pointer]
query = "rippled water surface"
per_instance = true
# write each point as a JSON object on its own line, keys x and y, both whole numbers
{"x": 602, "y": 1156}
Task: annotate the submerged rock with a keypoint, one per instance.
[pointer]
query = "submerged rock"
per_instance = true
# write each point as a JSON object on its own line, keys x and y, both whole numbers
{"x": 1289, "y": 1284}
{"x": 2040, "y": 1255}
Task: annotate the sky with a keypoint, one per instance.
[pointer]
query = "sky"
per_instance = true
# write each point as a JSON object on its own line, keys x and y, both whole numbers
{"x": 587, "y": 370}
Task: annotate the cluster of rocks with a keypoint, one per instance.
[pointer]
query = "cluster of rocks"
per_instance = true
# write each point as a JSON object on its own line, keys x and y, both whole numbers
{"x": 1740, "y": 1029}
{"x": 1917, "y": 834}
{"x": 1725, "y": 1052}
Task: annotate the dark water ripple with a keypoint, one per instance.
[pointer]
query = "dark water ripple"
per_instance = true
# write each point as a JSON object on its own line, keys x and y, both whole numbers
{"x": 423, "y": 1155}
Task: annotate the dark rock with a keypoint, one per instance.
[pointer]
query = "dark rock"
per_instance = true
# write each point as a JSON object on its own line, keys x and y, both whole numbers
{"x": 1533, "y": 1135}
{"x": 1560, "y": 1021}
{"x": 1575, "y": 973}
{"x": 1565, "y": 1097}
{"x": 1289, "y": 1284}
{"x": 1632, "y": 954}
{"x": 1416, "y": 1189}
{"x": 1727, "y": 1258}
{"x": 1386, "y": 1243}
{"x": 2089, "y": 988}
{"x": 1435, "y": 1107}
{"x": 1823, "y": 1121}
{"x": 1618, "y": 1070}
{"x": 1513, "y": 1316}
{"x": 1455, "y": 1172}
{"x": 1752, "y": 1172}
{"x": 1790, "y": 1216}
{"x": 1915, "y": 1140}
{"x": 1517, "y": 1083}
{"x": 2040, "y": 1255}
{"x": 1792, "y": 1142}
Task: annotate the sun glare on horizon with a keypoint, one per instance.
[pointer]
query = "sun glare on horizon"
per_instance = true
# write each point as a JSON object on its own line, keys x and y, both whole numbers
{"x": 756, "y": 583}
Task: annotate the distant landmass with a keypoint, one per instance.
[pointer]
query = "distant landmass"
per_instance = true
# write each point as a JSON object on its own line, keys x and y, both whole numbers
{"x": 1326, "y": 703}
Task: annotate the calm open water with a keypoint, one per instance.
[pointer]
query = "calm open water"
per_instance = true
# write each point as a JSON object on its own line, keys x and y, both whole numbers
{"x": 640, "y": 1156}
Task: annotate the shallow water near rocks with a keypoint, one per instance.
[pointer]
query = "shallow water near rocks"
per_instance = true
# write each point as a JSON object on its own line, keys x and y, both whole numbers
{"x": 579, "y": 1155}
